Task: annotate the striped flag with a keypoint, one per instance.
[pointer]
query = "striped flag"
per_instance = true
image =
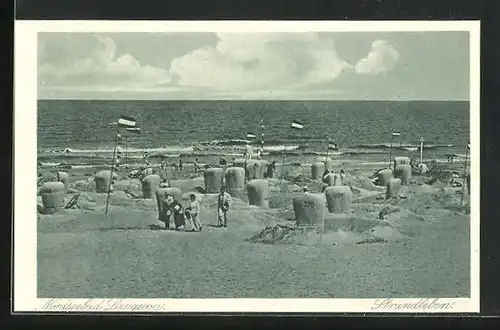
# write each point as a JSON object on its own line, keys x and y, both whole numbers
{"x": 125, "y": 121}
{"x": 296, "y": 124}
{"x": 251, "y": 136}
{"x": 396, "y": 134}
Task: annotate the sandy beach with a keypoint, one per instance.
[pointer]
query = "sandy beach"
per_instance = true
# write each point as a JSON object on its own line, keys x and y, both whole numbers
{"x": 416, "y": 245}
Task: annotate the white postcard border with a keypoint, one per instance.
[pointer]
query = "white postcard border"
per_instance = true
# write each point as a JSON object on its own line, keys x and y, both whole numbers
{"x": 25, "y": 144}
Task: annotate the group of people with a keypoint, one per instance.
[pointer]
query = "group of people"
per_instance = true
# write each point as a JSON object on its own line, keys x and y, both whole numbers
{"x": 188, "y": 218}
{"x": 190, "y": 215}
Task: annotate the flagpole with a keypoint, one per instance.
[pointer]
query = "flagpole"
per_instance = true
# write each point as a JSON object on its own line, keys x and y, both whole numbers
{"x": 261, "y": 137}
{"x": 245, "y": 156}
{"x": 126, "y": 150}
{"x": 465, "y": 176}
{"x": 422, "y": 150}
{"x": 283, "y": 163}
{"x": 390, "y": 149}
{"x": 327, "y": 149}
{"x": 112, "y": 168}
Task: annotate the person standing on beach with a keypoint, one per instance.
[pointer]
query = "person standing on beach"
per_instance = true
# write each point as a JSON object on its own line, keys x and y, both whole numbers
{"x": 194, "y": 208}
{"x": 196, "y": 165}
{"x": 325, "y": 175}
{"x": 145, "y": 156}
{"x": 223, "y": 204}
{"x": 271, "y": 168}
{"x": 180, "y": 165}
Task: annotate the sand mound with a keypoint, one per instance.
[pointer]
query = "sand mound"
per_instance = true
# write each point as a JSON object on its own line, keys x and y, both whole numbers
{"x": 128, "y": 185}
{"x": 361, "y": 182}
{"x": 77, "y": 221}
{"x": 195, "y": 184}
{"x": 295, "y": 235}
{"x": 84, "y": 185}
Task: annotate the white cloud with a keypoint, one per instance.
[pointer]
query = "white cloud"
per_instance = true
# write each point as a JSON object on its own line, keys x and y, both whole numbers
{"x": 259, "y": 61}
{"x": 381, "y": 58}
{"x": 99, "y": 66}
{"x": 259, "y": 65}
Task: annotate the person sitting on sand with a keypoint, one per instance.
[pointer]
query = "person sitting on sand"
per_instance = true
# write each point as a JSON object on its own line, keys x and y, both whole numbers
{"x": 164, "y": 183}
{"x": 172, "y": 207}
{"x": 194, "y": 208}
{"x": 223, "y": 204}
{"x": 423, "y": 168}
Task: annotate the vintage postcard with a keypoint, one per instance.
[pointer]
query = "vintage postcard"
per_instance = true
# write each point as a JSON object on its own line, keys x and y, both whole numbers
{"x": 246, "y": 166}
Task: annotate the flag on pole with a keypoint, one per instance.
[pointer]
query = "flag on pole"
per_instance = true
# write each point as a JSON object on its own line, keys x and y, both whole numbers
{"x": 251, "y": 136}
{"x": 296, "y": 124}
{"x": 125, "y": 121}
{"x": 396, "y": 134}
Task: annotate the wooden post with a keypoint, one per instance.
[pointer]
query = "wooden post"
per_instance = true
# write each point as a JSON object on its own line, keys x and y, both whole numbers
{"x": 283, "y": 164}
{"x": 465, "y": 172}
{"x": 421, "y": 150}
{"x": 390, "y": 150}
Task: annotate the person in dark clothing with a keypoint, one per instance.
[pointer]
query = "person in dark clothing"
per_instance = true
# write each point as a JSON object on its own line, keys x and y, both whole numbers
{"x": 196, "y": 165}
{"x": 325, "y": 175}
{"x": 172, "y": 207}
{"x": 180, "y": 165}
{"x": 271, "y": 168}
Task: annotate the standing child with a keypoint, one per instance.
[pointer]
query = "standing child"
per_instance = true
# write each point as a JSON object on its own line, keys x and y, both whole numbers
{"x": 194, "y": 207}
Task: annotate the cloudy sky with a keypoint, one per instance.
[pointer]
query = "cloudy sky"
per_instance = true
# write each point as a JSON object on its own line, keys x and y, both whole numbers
{"x": 299, "y": 66}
